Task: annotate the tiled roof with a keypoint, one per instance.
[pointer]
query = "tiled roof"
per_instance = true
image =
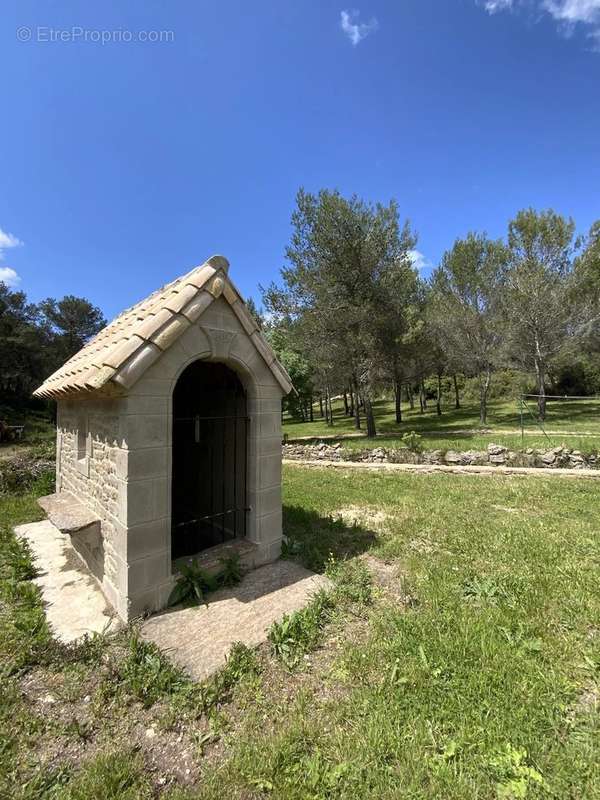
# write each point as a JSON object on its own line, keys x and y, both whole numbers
{"x": 121, "y": 352}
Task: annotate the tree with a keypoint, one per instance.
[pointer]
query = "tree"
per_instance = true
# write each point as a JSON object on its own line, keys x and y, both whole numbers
{"x": 23, "y": 345}
{"x": 73, "y": 320}
{"x": 536, "y": 291}
{"x": 466, "y": 292}
{"x": 341, "y": 261}
{"x": 585, "y": 296}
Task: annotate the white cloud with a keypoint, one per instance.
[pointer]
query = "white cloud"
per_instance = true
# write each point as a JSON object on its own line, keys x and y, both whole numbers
{"x": 493, "y": 6}
{"x": 568, "y": 13}
{"x": 7, "y": 240}
{"x": 419, "y": 261}
{"x": 573, "y": 11}
{"x": 354, "y": 30}
{"x": 9, "y": 277}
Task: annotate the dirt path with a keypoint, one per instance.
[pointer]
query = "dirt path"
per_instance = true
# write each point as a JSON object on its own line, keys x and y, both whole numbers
{"x": 453, "y": 470}
{"x": 445, "y": 433}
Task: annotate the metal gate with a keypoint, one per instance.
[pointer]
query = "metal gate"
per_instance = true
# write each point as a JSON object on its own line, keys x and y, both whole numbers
{"x": 209, "y": 498}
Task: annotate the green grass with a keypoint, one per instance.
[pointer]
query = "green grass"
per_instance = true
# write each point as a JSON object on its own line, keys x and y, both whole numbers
{"x": 484, "y": 684}
{"x": 461, "y": 430}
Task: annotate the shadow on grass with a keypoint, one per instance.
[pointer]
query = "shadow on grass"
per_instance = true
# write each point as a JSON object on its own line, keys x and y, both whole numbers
{"x": 314, "y": 539}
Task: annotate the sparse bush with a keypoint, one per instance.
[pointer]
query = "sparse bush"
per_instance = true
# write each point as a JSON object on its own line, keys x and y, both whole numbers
{"x": 413, "y": 442}
{"x": 24, "y": 472}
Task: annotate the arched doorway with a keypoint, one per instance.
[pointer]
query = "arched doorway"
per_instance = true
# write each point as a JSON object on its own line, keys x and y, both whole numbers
{"x": 208, "y": 494}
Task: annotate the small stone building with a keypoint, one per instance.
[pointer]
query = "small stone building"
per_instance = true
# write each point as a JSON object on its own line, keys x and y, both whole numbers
{"x": 169, "y": 440}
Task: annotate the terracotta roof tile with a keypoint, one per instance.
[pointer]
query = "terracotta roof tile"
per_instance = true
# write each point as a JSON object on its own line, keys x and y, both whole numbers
{"x": 131, "y": 342}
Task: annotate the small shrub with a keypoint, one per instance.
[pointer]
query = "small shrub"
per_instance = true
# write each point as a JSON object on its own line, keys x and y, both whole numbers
{"x": 21, "y": 473}
{"x": 413, "y": 442}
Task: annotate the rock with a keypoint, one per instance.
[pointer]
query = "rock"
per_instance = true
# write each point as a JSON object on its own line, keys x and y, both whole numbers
{"x": 452, "y": 457}
{"x": 549, "y": 457}
{"x": 496, "y": 449}
{"x": 498, "y": 458}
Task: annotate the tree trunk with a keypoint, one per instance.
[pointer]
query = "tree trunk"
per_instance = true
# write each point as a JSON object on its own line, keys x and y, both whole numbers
{"x": 456, "y": 395}
{"x": 424, "y": 394}
{"x": 330, "y": 407}
{"x": 421, "y": 398}
{"x": 346, "y": 406}
{"x": 351, "y": 409}
{"x": 398, "y": 399}
{"x": 540, "y": 373}
{"x": 371, "y": 429}
{"x": 484, "y": 385}
{"x": 356, "y": 407}
{"x": 411, "y": 397}
{"x": 438, "y": 400}
{"x": 312, "y": 417}
{"x": 321, "y": 404}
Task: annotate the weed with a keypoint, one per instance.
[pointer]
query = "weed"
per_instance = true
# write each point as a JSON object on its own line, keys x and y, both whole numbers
{"x": 413, "y": 442}
{"x": 192, "y": 585}
{"x": 352, "y": 579}
{"x": 514, "y": 775}
{"x": 113, "y": 776}
{"x": 193, "y": 582}
{"x": 300, "y": 632}
{"x": 146, "y": 673}
{"x": 231, "y": 570}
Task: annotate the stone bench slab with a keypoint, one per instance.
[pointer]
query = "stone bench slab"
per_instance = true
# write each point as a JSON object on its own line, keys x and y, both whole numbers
{"x": 67, "y": 513}
{"x": 199, "y": 639}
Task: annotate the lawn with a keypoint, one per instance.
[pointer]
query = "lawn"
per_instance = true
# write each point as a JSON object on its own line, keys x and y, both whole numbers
{"x": 466, "y": 666}
{"x": 460, "y": 429}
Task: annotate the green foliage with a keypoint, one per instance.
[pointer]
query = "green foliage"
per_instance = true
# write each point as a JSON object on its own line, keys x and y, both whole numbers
{"x": 412, "y": 441}
{"x": 514, "y": 775}
{"x": 300, "y": 632}
{"x": 193, "y": 582}
{"x": 22, "y": 472}
{"x": 112, "y": 776}
{"x": 353, "y": 581}
{"x": 231, "y": 570}
{"x": 145, "y": 672}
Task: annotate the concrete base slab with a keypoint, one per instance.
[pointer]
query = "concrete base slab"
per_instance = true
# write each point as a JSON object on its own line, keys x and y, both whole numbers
{"x": 73, "y": 601}
{"x": 199, "y": 639}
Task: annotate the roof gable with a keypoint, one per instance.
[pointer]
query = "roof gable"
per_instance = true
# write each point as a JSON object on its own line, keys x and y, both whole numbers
{"x": 121, "y": 352}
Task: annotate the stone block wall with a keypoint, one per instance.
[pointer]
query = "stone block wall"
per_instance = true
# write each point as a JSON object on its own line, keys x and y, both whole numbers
{"x": 115, "y": 456}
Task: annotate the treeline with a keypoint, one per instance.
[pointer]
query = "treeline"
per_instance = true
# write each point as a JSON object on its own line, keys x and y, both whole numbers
{"x": 35, "y": 339}
{"x": 353, "y": 317}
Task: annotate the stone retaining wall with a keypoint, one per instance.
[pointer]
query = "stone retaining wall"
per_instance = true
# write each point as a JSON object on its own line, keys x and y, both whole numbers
{"x": 495, "y": 455}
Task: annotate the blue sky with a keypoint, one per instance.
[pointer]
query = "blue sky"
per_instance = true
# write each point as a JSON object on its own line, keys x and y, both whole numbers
{"x": 126, "y": 163}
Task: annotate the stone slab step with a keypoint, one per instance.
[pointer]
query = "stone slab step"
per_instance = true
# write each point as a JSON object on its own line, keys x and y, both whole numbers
{"x": 68, "y": 514}
{"x": 199, "y": 639}
{"x": 73, "y": 602}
